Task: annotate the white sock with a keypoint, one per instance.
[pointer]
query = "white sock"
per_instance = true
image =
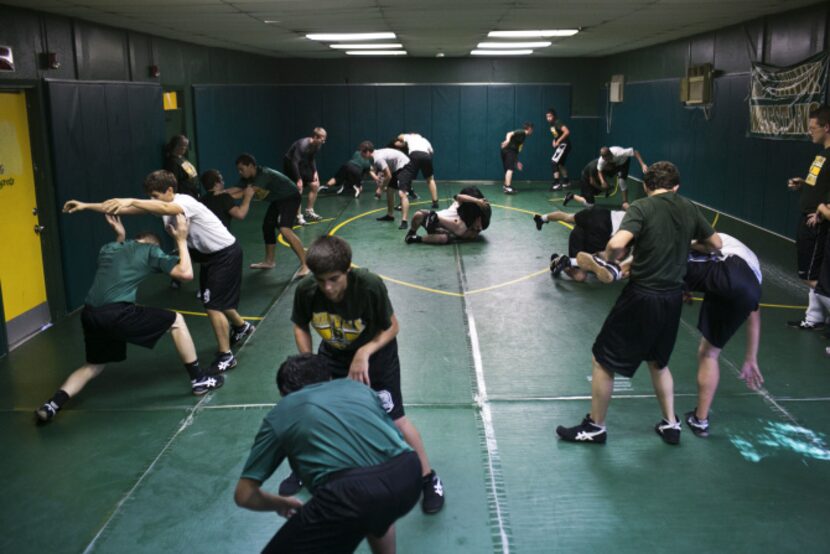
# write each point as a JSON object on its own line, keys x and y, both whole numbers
{"x": 573, "y": 263}
{"x": 814, "y": 313}
{"x": 545, "y": 218}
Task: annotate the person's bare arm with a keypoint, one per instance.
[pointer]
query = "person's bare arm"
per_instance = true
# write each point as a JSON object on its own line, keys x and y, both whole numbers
{"x": 184, "y": 269}
{"x": 74, "y": 206}
{"x": 506, "y": 140}
{"x": 117, "y": 226}
{"x": 462, "y": 198}
{"x": 235, "y": 192}
{"x": 602, "y": 182}
{"x": 302, "y": 336}
{"x": 750, "y": 372}
{"x": 134, "y": 206}
{"x": 249, "y": 495}
{"x": 714, "y": 242}
{"x": 563, "y": 136}
{"x": 643, "y": 165}
{"x": 823, "y": 211}
{"x": 241, "y": 211}
{"x": 359, "y": 370}
{"x": 615, "y": 249}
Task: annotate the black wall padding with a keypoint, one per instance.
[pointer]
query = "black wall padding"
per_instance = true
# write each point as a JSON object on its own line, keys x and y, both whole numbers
{"x": 465, "y": 124}
{"x": 106, "y": 137}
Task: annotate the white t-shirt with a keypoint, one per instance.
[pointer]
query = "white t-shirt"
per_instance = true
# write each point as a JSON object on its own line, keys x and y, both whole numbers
{"x": 207, "y": 234}
{"x": 619, "y": 154}
{"x": 616, "y": 218}
{"x": 417, "y": 143}
{"x": 392, "y": 158}
{"x": 734, "y": 247}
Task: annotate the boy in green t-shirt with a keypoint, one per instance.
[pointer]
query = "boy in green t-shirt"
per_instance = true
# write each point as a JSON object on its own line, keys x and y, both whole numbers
{"x": 643, "y": 324}
{"x": 111, "y": 318}
{"x": 351, "y": 311}
{"x": 339, "y": 439}
{"x": 351, "y": 172}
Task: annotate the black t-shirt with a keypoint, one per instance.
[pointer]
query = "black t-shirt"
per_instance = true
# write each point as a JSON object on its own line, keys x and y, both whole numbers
{"x": 220, "y": 205}
{"x": 517, "y": 139}
{"x": 187, "y": 178}
{"x": 816, "y": 188}
{"x": 557, "y": 131}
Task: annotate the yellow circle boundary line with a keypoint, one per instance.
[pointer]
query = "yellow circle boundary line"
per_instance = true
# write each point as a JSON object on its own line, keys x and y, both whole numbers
{"x": 763, "y": 305}
{"x": 203, "y": 314}
{"x": 281, "y": 240}
{"x": 444, "y": 292}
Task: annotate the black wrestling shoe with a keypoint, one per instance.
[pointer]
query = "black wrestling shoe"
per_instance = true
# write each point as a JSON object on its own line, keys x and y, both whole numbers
{"x": 206, "y": 383}
{"x": 431, "y": 222}
{"x": 606, "y": 272}
{"x": 587, "y": 432}
{"x": 47, "y": 412}
{"x": 568, "y": 198}
{"x": 508, "y": 190}
{"x": 404, "y": 225}
{"x": 412, "y": 238}
{"x": 804, "y": 325}
{"x": 222, "y": 363}
{"x": 238, "y": 334}
{"x": 433, "y": 493}
{"x": 434, "y": 204}
{"x": 562, "y": 263}
{"x": 669, "y": 432}
{"x": 537, "y": 219}
{"x": 387, "y": 217}
{"x": 700, "y": 427}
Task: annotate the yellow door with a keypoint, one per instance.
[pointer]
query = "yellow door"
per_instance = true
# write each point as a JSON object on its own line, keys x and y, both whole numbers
{"x": 21, "y": 262}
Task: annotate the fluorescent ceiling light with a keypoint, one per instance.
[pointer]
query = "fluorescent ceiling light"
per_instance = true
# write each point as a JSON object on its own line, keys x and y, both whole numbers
{"x": 543, "y": 44}
{"x": 533, "y": 34}
{"x": 271, "y": 21}
{"x": 376, "y": 52}
{"x": 501, "y": 52}
{"x": 333, "y": 37}
{"x": 378, "y": 46}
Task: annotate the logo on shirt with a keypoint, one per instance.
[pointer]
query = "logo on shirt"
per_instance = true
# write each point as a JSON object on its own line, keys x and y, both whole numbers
{"x": 815, "y": 169}
{"x": 386, "y": 400}
{"x": 189, "y": 169}
{"x": 337, "y": 332}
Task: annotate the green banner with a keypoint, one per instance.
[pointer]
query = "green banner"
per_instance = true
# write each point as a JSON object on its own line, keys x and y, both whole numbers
{"x": 781, "y": 98}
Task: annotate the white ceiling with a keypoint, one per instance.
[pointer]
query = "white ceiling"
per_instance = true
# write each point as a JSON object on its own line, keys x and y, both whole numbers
{"x": 425, "y": 27}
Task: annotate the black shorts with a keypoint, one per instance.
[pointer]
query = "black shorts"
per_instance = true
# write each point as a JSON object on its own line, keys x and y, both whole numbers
{"x": 563, "y": 157}
{"x": 306, "y": 171}
{"x": 282, "y": 213}
{"x": 731, "y": 292}
{"x": 384, "y": 374}
{"x": 642, "y": 327}
{"x": 220, "y": 278}
{"x": 423, "y": 163}
{"x": 592, "y": 229}
{"x": 809, "y": 244}
{"x": 350, "y": 505}
{"x": 509, "y": 159}
{"x": 587, "y": 191}
{"x": 823, "y": 285}
{"x": 108, "y": 329}
{"x": 349, "y": 174}
{"x": 620, "y": 170}
{"x": 395, "y": 182}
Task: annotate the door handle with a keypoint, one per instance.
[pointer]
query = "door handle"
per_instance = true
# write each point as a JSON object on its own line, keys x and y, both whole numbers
{"x": 39, "y": 229}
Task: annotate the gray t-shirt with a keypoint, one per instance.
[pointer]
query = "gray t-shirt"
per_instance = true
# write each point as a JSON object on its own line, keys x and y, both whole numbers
{"x": 392, "y": 158}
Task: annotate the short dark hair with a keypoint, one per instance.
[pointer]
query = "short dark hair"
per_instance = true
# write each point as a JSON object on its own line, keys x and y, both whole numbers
{"x": 245, "y": 159}
{"x": 145, "y": 235}
{"x": 210, "y": 177}
{"x": 328, "y": 253}
{"x": 159, "y": 181}
{"x": 301, "y": 370}
{"x": 661, "y": 175}
{"x": 822, "y": 114}
{"x": 366, "y": 146}
{"x": 174, "y": 142}
{"x": 604, "y": 151}
{"x": 527, "y": 125}
{"x": 552, "y": 112}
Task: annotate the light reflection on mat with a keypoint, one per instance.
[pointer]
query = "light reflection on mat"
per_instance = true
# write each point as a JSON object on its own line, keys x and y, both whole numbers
{"x": 777, "y": 437}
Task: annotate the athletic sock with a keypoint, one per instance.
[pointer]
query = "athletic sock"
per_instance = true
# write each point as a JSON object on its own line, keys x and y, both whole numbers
{"x": 815, "y": 312}
{"x": 193, "y": 370}
{"x": 59, "y": 399}
{"x": 544, "y": 218}
{"x": 573, "y": 263}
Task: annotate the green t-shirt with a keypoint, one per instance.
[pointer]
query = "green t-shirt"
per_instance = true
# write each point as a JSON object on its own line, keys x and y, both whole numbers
{"x": 121, "y": 267}
{"x": 278, "y": 185}
{"x": 347, "y": 325}
{"x": 663, "y": 226}
{"x": 322, "y": 429}
{"x": 363, "y": 163}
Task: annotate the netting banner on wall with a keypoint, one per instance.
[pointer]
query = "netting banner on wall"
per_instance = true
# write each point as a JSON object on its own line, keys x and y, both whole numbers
{"x": 781, "y": 98}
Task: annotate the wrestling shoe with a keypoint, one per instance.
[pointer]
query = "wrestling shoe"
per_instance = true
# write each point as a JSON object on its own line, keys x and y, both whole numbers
{"x": 562, "y": 263}
{"x": 206, "y": 383}
{"x": 669, "y": 432}
{"x": 398, "y": 208}
{"x": 357, "y": 191}
{"x": 411, "y": 237}
{"x": 556, "y": 186}
{"x": 404, "y": 225}
{"x": 238, "y": 334}
{"x": 412, "y": 195}
{"x": 537, "y": 219}
{"x": 607, "y": 272}
{"x": 434, "y": 205}
{"x": 311, "y": 215}
{"x": 291, "y": 485}
{"x": 300, "y": 219}
{"x": 700, "y": 427}
{"x": 433, "y": 493}
{"x": 386, "y": 217}
{"x": 341, "y": 189}
{"x": 508, "y": 190}
{"x": 47, "y": 412}
{"x": 431, "y": 222}
{"x": 587, "y": 431}
{"x": 805, "y": 325}
{"x": 568, "y": 198}
{"x": 222, "y": 363}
